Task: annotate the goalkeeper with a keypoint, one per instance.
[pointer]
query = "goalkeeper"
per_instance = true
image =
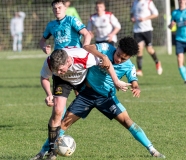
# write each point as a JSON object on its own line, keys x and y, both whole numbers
{"x": 100, "y": 92}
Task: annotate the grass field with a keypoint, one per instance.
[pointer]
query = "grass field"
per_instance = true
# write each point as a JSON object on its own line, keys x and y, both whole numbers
{"x": 160, "y": 111}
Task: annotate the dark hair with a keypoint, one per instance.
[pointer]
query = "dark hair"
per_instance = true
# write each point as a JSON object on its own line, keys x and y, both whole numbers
{"x": 57, "y": 1}
{"x": 100, "y": 2}
{"x": 129, "y": 46}
{"x": 57, "y": 58}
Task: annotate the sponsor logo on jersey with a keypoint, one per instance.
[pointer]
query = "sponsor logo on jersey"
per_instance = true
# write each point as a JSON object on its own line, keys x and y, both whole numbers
{"x": 58, "y": 90}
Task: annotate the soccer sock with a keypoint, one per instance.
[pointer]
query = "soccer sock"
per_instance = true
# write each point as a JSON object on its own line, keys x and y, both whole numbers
{"x": 53, "y": 132}
{"x": 139, "y": 61}
{"x": 183, "y": 72}
{"x": 139, "y": 135}
{"x": 154, "y": 57}
{"x": 46, "y": 147}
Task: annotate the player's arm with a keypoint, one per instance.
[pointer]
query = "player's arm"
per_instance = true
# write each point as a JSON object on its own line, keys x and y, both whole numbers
{"x": 43, "y": 45}
{"x": 45, "y": 83}
{"x": 135, "y": 89}
{"x": 92, "y": 49}
{"x": 119, "y": 84}
{"x": 117, "y": 27}
{"x": 87, "y": 37}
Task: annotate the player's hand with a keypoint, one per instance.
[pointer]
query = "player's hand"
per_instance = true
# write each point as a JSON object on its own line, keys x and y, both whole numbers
{"x": 49, "y": 101}
{"x": 105, "y": 62}
{"x": 47, "y": 49}
{"x": 110, "y": 36}
{"x": 136, "y": 92}
{"x": 121, "y": 85}
{"x": 133, "y": 19}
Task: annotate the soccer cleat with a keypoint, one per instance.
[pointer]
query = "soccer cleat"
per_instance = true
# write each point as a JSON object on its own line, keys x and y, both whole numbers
{"x": 139, "y": 73}
{"x": 38, "y": 156}
{"x": 156, "y": 154}
{"x": 159, "y": 69}
{"x": 51, "y": 156}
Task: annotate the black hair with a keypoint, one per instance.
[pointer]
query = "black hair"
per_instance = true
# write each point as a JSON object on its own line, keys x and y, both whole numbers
{"x": 129, "y": 46}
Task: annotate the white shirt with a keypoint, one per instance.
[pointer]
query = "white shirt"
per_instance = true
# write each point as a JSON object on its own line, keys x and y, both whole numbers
{"x": 103, "y": 25}
{"x": 17, "y": 24}
{"x": 142, "y": 9}
{"x": 82, "y": 60}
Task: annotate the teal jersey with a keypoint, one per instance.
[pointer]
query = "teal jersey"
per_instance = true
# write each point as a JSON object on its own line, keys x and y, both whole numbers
{"x": 65, "y": 32}
{"x": 179, "y": 16}
{"x": 101, "y": 81}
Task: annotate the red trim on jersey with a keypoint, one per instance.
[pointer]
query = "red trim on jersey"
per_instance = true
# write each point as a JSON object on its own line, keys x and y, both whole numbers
{"x": 82, "y": 61}
{"x": 48, "y": 61}
{"x": 149, "y": 4}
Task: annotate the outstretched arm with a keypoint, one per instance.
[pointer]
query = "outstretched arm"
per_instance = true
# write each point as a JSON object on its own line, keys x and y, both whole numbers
{"x": 135, "y": 89}
{"x": 119, "y": 84}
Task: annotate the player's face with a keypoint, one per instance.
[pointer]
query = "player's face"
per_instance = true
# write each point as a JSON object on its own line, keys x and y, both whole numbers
{"x": 182, "y": 2}
{"x": 62, "y": 69}
{"x": 59, "y": 10}
{"x": 100, "y": 8}
{"x": 120, "y": 56}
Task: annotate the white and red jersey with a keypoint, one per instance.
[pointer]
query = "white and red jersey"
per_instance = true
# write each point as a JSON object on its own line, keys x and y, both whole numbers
{"x": 82, "y": 60}
{"x": 103, "y": 25}
{"x": 142, "y": 9}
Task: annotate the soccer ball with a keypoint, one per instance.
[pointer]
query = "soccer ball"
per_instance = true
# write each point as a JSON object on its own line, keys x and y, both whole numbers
{"x": 65, "y": 145}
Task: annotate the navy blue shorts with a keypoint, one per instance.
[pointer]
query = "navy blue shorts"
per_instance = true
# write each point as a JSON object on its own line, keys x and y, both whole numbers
{"x": 180, "y": 47}
{"x": 89, "y": 99}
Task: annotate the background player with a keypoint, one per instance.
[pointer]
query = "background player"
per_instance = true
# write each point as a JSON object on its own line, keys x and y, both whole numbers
{"x": 106, "y": 25}
{"x": 66, "y": 30}
{"x": 17, "y": 29}
{"x": 142, "y": 12}
{"x": 179, "y": 19}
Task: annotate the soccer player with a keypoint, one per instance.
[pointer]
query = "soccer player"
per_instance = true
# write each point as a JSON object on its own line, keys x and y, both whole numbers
{"x": 69, "y": 68}
{"x": 106, "y": 25}
{"x": 142, "y": 12}
{"x": 66, "y": 30}
{"x": 101, "y": 94}
{"x": 179, "y": 19}
{"x": 17, "y": 29}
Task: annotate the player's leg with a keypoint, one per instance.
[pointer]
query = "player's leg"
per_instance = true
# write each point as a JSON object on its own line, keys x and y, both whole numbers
{"x": 112, "y": 108}
{"x": 151, "y": 51}
{"x": 180, "y": 59}
{"x": 45, "y": 148}
{"x": 19, "y": 42}
{"x": 138, "y": 133}
{"x": 15, "y": 39}
{"x": 139, "y": 59}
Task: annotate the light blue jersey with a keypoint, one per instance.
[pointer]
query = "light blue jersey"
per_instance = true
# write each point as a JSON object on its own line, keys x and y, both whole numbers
{"x": 65, "y": 32}
{"x": 96, "y": 75}
{"x": 179, "y": 16}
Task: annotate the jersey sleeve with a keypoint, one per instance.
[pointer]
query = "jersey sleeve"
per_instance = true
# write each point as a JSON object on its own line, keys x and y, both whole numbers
{"x": 45, "y": 71}
{"x": 131, "y": 74}
{"x": 153, "y": 8}
{"x": 47, "y": 33}
{"x": 77, "y": 24}
{"x": 114, "y": 21}
{"x": 90, "y": 25}
{"x": 92, "y": 60}
{"x": 22, "y": 15}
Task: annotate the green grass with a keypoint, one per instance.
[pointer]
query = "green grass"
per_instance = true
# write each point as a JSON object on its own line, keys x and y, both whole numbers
{"x": 160, "y": 111}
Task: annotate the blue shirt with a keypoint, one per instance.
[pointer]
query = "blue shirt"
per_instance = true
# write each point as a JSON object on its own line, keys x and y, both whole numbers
{"x": 65, "y": 32}
{"x": 179, "y": 16}
{"x": 101, "y": 81}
